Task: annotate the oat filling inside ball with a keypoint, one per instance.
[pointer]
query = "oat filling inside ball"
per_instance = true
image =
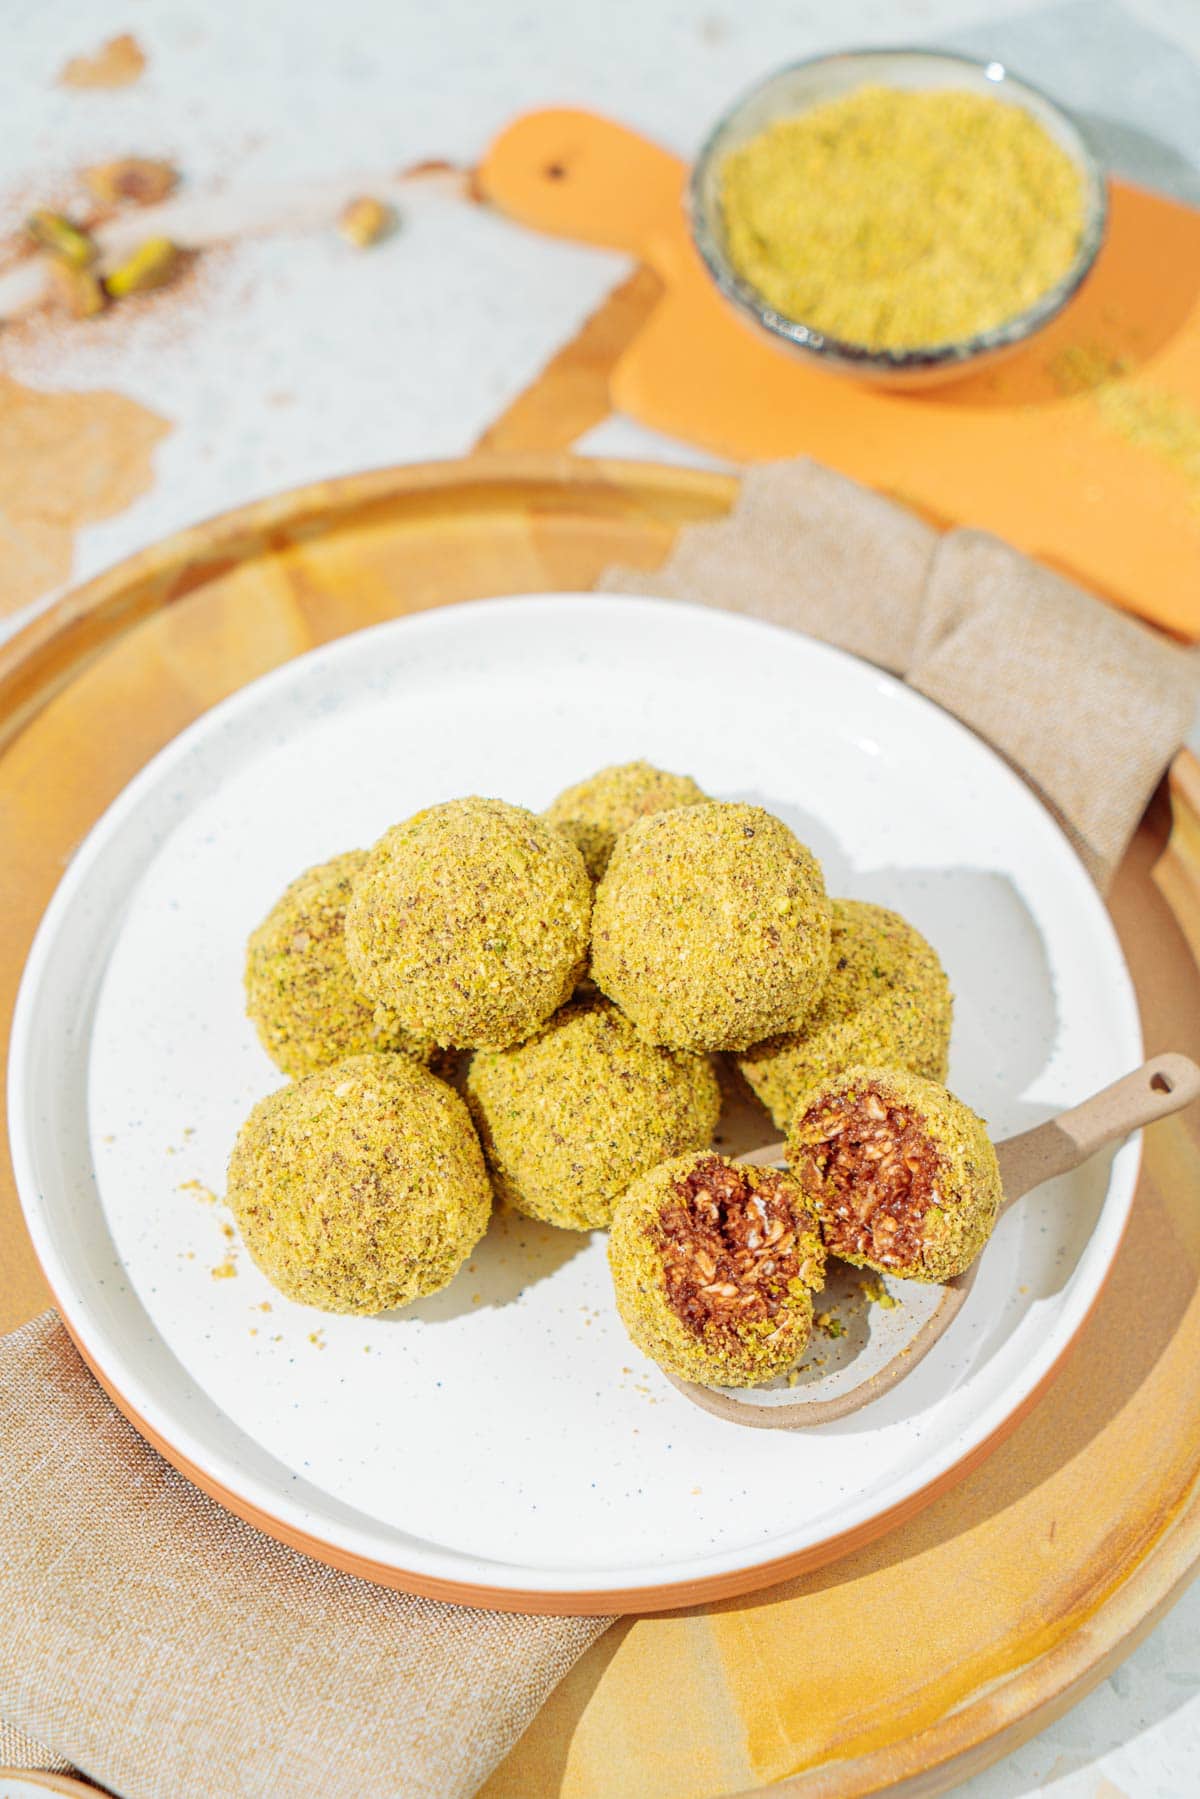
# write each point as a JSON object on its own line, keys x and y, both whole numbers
{"x": 878, "y": 1171}
{"x": 728, "y": 1248}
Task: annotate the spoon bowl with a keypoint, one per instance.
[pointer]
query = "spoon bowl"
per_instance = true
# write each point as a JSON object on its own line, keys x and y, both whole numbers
{"x": 1161, "y": 1086}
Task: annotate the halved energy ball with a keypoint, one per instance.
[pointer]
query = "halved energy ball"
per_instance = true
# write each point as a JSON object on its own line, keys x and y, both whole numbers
{"x": 596, "y": 811}
{"x": 300, "y": 994}
{"x": 570, "y": 1117}
{"x": 361, "y": 1187}
{"x": 711, "y": 927}
{"x": 887, "y": 1004}
{"x": 714, "y": 1265}
{"x": 470, "y": 922}
{"x": 901, "y": 1175}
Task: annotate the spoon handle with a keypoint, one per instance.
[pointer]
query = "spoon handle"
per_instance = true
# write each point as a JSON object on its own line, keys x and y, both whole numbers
{"x": 1163, "y": 1085}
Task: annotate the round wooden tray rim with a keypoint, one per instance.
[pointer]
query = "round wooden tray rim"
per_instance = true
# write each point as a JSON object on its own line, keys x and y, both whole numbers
{"x": 49, "y": 652}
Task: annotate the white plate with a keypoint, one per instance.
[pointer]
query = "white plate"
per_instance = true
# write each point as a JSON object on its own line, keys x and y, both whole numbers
{"x": 504, "y": 1437}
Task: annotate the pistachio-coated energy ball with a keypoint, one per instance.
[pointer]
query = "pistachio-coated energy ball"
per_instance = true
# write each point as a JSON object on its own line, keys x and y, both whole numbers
{"x": 714, "y": 1266}
{"x": 711, "y": 927}
{"x": 361, "y": 1187}
{"x": 596, "y": 811}
{"x": 470, "y": 922}
{"x": 568, "y": 1118}
{"x": 886, "y": 1004}
{"x": 902, "y": 1176}
{"x": 300, "y": 994}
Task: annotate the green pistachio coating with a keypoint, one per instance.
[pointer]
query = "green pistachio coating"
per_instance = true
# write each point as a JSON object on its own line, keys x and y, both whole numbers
{"x": 714, "y": 1265}
{"x": 470, "y": 923}
{"x": 300, "y": 993}
{"x": 361, "y": 1187}
{"x": 568, "y": 1118}
{"x": 596, "y": 811}
{"x": 902, "y": 1176}
{"x": 711, "y": 927}
{"x": 887, "y": 1004}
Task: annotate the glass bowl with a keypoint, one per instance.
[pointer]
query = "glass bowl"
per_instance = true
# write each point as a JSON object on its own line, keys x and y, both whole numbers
{"x": 806, "y": 84}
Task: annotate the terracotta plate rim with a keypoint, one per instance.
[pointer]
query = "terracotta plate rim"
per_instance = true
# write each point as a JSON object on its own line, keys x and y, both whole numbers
{"x": 584, "y": 1602}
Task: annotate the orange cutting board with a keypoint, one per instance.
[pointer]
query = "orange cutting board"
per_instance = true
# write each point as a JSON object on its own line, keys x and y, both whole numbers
{"x": 1104, "y": 483}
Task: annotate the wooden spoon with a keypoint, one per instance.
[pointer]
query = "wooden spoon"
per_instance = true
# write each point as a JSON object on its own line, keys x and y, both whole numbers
{"x": 1163, "y": 1085}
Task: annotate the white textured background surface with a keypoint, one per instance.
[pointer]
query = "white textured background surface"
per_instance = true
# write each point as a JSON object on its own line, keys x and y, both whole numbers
{"x": 297, "y": 357}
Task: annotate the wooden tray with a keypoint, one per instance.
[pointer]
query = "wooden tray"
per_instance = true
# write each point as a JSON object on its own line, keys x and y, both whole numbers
{"x": 939, "y": 1647}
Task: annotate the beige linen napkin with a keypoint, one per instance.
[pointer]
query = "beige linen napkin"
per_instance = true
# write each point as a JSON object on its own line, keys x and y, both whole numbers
{"x": 19, "y": 1751}
{"x": 1087, "y": 703}
{"x": 170, "y": 1649}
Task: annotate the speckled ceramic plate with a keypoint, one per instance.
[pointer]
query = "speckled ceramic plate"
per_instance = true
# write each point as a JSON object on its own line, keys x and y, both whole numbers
{"x": 503, "y": 1442}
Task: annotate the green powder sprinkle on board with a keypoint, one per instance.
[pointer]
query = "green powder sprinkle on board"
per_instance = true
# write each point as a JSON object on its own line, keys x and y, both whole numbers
{"x": 1150, "y": 418}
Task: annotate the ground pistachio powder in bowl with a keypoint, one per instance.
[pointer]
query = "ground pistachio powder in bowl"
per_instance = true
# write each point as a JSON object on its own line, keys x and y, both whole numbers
{"x": 899, "y": 219}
